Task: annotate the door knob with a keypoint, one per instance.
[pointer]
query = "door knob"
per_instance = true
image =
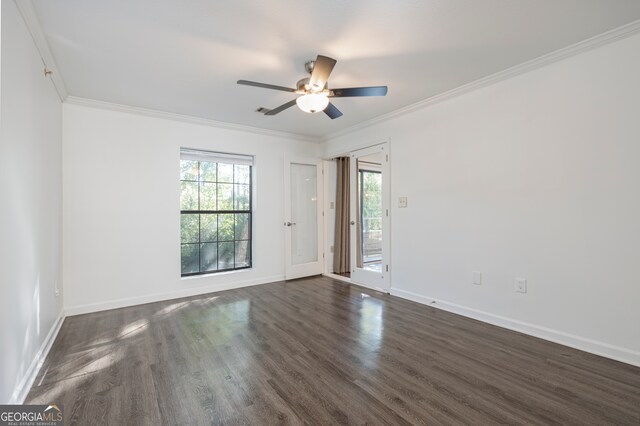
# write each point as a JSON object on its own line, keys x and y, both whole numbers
{"x": 353, "y": 222}
{"x": 290, "y": 223}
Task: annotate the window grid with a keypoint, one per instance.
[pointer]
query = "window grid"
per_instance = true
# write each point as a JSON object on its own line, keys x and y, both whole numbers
{"x": 234, "y": 212}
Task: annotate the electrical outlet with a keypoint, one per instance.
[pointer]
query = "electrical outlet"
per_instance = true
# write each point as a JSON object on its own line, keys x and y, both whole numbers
{"x": 402, "y": 202}
{"x": 520, "y": 285}
{"x": 331, "y": 249}
{"x": 332, "y": 205}
{"x": 477, "y": 277}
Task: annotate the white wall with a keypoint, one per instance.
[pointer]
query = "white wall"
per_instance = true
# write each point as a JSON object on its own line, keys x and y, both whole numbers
{"x": 538, "y": 177}
{"x": 30, "y": 217}
{"x": 121, "y": 206}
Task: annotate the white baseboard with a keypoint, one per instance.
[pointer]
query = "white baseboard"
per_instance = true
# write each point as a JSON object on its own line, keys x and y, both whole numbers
{"x": 337, "y": 277}
{"x": 592, "y": 346}
{"x": 350, "y": 281}
{"x": 21, "y": 391}
{"x": 160, "y": 297}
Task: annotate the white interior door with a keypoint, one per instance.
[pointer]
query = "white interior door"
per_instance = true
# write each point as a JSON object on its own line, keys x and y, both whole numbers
{"x": 370, "y": 217}
{"x": 303, "y": 221}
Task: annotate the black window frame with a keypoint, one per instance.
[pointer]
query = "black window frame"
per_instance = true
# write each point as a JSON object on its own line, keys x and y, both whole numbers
{"x": 218, "y": 213}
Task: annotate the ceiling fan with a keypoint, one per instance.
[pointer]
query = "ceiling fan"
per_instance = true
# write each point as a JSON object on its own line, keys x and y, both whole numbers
{"x": 315, "y": 92}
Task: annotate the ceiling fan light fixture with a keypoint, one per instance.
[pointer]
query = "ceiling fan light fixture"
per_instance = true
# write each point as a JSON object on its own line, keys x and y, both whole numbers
{"x": 313, "y": 102}
{"x": 314, "y": 92}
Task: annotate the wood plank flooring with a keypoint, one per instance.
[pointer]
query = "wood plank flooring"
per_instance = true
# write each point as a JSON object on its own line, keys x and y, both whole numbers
{"x": 320, "y": 351}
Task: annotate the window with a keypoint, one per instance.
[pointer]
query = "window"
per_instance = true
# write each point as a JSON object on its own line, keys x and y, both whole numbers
{"x": 370, "y": 192}
{"x": 215, "y": 212}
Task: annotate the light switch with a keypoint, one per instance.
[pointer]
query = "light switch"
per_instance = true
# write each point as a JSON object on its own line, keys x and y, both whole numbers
{"x": 332, "y": 205}
{"x": 402, "y": 202}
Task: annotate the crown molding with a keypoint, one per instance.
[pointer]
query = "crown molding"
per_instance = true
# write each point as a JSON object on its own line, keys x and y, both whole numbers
{"x": 30, "y": 17}
{"x": 539, "y": 62}
{"x": 74, "y": 100}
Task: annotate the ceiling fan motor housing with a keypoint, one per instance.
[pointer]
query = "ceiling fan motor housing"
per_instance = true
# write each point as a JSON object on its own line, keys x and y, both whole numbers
{"x": 303, "y": 86}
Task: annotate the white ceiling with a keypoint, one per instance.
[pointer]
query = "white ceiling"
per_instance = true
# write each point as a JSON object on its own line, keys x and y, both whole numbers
{"x": 185, "y": 56}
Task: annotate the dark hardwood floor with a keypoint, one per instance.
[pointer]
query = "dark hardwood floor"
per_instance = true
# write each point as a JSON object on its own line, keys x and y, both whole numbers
{"x": 319, "y": 351}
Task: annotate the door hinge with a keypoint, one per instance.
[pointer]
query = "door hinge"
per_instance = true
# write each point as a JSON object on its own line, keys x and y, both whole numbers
{"x": 387, "y": 156}
{"x": 387, "y": 268}
{"x": 387, "y": 212}
{"x": 323, "y": 255}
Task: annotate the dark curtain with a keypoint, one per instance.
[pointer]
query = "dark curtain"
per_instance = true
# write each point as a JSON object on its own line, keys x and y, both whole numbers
{"x": 341, "y": 245}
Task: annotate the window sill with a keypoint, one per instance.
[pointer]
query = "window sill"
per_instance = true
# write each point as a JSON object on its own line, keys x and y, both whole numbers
{"x": 216, "y": 274}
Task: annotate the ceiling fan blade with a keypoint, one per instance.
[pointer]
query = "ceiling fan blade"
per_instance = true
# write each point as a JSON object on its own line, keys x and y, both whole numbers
{"x": 332, "y": 111}
{"x": 359, "y": 91}
{"x": 265, "y": 86}
{"x": 281, "y": 108}
{"x": 321, "y": 70}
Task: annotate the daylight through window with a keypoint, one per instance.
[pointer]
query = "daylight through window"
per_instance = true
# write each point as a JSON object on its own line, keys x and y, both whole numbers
{"x": 215, "y": 212}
